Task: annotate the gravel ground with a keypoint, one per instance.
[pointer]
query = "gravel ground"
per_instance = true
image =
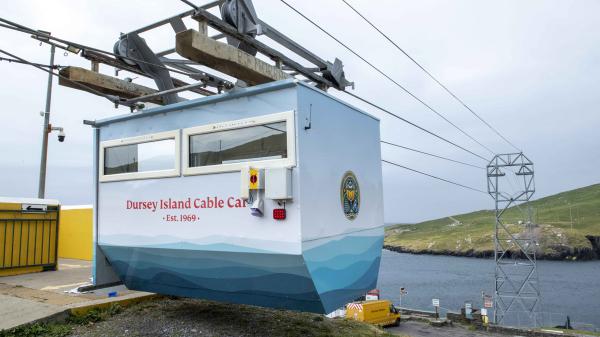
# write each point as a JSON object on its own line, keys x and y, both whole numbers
{"x": 188, "y": 317}
{"x": 422, "y": 329}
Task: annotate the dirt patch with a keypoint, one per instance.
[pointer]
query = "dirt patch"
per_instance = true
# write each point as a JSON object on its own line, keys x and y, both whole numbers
{"x": 188, "y": 317}
{"x": 43, "y": 296}
{"x": 422, "y": 329}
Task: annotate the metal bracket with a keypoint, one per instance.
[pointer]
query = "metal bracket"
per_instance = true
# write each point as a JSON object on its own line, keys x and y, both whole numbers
{"x": 131, "y": 46}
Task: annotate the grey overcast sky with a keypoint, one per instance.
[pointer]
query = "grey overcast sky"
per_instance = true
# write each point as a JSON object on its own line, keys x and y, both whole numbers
{"x": 530, "y": 68}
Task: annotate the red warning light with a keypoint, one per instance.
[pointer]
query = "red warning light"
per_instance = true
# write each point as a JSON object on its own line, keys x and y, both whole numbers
{"x": 279, "y": 214}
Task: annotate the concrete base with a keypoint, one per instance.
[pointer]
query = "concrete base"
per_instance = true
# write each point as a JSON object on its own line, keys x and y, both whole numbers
{"x": 17, "y": 311}
{"x": 439, "y": 322}
{"x": 70, "y": 274}
{"x": 37, "y": 297}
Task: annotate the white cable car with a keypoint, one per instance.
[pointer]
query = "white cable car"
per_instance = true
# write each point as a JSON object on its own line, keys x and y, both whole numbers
{"x": 269, "y": 195}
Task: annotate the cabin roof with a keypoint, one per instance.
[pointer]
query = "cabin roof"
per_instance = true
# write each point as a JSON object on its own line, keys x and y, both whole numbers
{"x": 237, "y": 93}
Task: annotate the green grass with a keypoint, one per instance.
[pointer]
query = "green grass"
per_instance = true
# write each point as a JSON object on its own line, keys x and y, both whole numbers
{"x": 233, "y": 319}
{"x": 35, "y": 330}
{"x": 475, "y": 232}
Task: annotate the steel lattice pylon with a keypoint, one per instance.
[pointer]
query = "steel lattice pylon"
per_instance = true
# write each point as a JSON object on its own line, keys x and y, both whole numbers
{"x": 517, "y": 292}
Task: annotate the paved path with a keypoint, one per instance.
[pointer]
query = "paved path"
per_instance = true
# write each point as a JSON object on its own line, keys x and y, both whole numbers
{"x": 29, "y": 297}
{"x": 422, "y": 329}
{"x": 15, "y": 311}
{"x": 71, "y": 274}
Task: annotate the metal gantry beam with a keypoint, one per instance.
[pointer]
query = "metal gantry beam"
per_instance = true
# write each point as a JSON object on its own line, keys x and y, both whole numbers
{"x": 225, "y": 28}
{"x": 325, "y": 75}
{"x": 239, "y": 25}
{"x": 517, "y": 291}
{"x": 211, "y": 80}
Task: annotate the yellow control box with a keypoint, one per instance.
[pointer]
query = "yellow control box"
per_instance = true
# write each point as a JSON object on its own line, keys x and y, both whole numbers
{"x": 256, "y": 179}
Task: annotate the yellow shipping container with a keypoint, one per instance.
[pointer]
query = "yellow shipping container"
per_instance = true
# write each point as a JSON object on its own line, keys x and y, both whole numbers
{"x": 380, "y": 312}
{"x": 28, "y": 235}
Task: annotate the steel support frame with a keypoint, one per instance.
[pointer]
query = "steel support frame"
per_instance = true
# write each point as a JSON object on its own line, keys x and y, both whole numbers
{"x": 319, "y": 75}
{"x": 209, "y": 80}
{"x": 311, "y": 74}
{"x": 111, "y": 61}
{"x": 227, "y": 30}
{"x": 517, "y": 289}
{"x": 278, "y": 57}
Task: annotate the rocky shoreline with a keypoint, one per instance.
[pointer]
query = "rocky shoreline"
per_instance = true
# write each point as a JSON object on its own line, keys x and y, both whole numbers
{"x": 554, "y": 253}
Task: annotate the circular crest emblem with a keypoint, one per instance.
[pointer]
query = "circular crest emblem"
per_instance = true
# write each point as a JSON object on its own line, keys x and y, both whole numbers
{"x": 350, "y": 195}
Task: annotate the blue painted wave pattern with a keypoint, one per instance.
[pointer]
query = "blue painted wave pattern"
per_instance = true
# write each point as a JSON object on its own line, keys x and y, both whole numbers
{"x": 321, "y": 280}
{"x": 272, "y": 280}
{"x": 212, "y": 243}
{"x": 345, "y": 269}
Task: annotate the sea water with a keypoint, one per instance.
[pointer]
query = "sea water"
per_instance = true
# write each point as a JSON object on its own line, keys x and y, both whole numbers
{"x": 567, "y": 288}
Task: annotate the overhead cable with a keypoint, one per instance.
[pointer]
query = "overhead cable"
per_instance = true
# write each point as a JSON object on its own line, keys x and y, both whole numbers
{"x": 388, "y": 77}
{"x": 414, "y": 125}
{"x": 431, "y": 154}
{"x": 189, "y": 3}
{"x": 12, "y": 60}
{"x": 431, "y": 76}
{"x": 43, "y": 35}
{"x": 114, "y": 99}
{"x": 434, "y": 177}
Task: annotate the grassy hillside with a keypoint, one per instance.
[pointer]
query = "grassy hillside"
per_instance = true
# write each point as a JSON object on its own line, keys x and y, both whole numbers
{"x": 472, "y": 233}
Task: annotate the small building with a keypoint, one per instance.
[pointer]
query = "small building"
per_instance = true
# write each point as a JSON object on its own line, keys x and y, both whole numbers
{"x": 269, "y": 195}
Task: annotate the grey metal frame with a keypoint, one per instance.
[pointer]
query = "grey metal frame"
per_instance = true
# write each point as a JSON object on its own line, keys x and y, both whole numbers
{"x": 279, "y": 58}
{"x": 226, "y": 30}
{"x": 323, "y": 74}
{"x": 517, "y": 289}
{"x": 111, "y": 61}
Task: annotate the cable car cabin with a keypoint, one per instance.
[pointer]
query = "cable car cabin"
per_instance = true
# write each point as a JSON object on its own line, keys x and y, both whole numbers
{"x": 269, "y": 195}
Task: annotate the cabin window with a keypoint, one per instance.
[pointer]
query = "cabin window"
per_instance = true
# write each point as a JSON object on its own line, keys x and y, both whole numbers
{"x": 264, "y": 141}
{"x": 261, "y": 142}
{"x": 148, "y": 156}
{"x": 151, "y": 156}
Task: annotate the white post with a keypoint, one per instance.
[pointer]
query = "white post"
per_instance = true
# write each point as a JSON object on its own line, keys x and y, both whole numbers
{"x": 402, "y": 293}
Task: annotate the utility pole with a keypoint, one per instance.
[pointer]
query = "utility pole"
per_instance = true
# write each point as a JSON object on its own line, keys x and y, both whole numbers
{"x": 45, "y": 131}
{"x": 571, "y": 215}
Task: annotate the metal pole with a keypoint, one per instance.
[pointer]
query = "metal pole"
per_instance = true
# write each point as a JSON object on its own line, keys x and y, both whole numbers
{"x": 42, "y": 180}
{"x": 496, "y": 246}
{"x": 571, "y": 215}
